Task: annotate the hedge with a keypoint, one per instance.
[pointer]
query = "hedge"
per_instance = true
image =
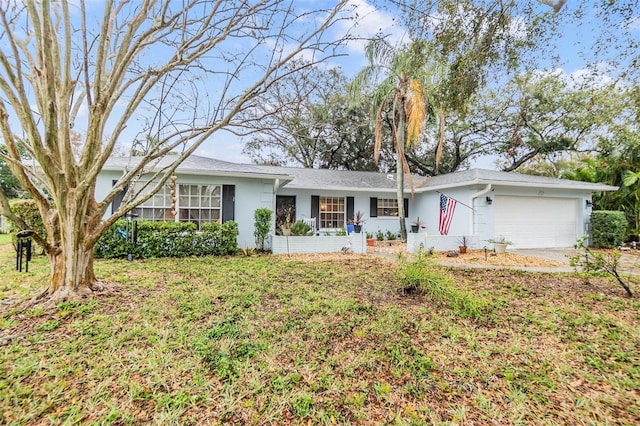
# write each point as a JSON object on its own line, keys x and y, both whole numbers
{"x": 167, "y": 239}
{"x": 607, "y": 228}
{"x": 28, "y": 211}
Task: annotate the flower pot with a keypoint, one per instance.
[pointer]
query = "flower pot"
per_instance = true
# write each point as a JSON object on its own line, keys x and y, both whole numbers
{"x": 415, "y": 229}
{"x": 357, "y": 228}
{"x": 462, "y": 249}
{"x": 286, "y": 232}
{"x": 500, "y": 247}
{"x": 371, "y": 242}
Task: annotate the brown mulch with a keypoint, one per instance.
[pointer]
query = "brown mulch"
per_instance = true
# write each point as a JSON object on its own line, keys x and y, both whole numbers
{"x": 391, "y": 249}
{"x": 482, "y": 257}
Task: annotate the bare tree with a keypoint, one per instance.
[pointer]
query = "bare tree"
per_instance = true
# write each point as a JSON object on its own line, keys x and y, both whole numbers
{"x": 188, "y": 67}
{"x": 307, "y": 120}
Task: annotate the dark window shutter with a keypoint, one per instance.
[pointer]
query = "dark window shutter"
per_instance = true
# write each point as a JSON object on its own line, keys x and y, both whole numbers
{"x": 315, "y": 209}
{"x": 406, "y": 207}
{"x": 373, "y": 207}
{"x": 228, "y": 202}
{"x": 350, "y": 212}
{"x": 115, "y": 204}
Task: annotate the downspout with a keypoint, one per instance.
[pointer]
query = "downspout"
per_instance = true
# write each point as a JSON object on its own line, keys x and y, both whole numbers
{"x": 486, "y": 190}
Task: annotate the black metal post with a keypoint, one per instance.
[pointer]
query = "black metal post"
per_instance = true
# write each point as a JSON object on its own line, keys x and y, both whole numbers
{"x": 24, "y": 244}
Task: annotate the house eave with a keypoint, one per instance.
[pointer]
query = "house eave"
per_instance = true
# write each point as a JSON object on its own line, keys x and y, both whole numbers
{"x": 217, "y": 173}
{"x": 581, "y": 186}
{"x": 340, "y": 188}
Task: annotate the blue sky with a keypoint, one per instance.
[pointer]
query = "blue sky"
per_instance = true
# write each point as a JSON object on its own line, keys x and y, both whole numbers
{"x": 371, "y": 21}
{"x": 574, "y": 41}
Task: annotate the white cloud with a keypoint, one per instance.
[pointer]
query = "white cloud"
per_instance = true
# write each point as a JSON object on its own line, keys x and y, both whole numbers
{"x": 633, "y": 23}
{"x": 595, "y": 77}
{"x": 367, "y": 21}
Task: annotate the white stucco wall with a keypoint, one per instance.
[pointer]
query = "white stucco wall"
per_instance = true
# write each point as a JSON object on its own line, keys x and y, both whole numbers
{"x": 250, "y": 194}
{"x": 479, "y": 224}
{"x": 360, "y": 202}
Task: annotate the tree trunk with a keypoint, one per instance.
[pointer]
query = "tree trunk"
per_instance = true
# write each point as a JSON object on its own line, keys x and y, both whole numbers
{"x": 71, "y": 262}
{"x": 72, "y": 274}
{"x": 400, "y": 195}
{"x": 401, "y": 138}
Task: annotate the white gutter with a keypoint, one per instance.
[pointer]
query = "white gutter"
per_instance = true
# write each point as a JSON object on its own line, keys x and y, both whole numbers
{"x": 486, "y": 190}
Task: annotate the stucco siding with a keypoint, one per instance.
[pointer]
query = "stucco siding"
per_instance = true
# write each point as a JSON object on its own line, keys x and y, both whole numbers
{"x": 361, "y": 202}
{"x": 250, "y": 194}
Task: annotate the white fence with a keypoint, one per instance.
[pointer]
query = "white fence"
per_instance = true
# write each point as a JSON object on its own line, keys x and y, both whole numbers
{"x": 356, "y": 243}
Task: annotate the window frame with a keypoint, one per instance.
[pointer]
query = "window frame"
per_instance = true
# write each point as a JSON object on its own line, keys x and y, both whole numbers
{"x": 161, "y": 201}
{"x": 338, "y": 216}
{"x": 214, "y": 195}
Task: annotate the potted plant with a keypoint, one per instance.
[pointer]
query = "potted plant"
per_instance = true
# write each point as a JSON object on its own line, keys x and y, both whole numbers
{"x": 358, "y": 220}
{"x": 463, "y": 244}
{"x": 500, "y": 244}
{"x": 286, "y": 226}
{"x": 417, "y": 225}
{"x": 370, "y": 240}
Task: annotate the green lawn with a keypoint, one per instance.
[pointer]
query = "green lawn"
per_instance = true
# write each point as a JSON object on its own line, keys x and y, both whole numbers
{"x": 255, "y": 340}
{"x": 5, "y": 239}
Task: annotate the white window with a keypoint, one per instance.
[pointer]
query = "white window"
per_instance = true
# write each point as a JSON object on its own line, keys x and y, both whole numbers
{"x": 158, "y": 207}
{"x": 387, "y": 207}
{"x": 194, "y": 203}
{"x": 332, "y": 212}
{"x": 199, "y": 203}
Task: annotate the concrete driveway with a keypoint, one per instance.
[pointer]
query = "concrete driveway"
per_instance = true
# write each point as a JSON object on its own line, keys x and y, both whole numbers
{"x": 556, "y": 254}
{"x": 629, "y": 261}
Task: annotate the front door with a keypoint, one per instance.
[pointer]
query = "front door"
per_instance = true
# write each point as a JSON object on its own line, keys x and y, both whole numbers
{"x": 285, "y": 210}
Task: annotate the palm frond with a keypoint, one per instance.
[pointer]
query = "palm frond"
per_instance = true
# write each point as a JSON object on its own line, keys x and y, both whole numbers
{"x": 416, "y": 109}
{"x": 362, "y": 81}
{"x": 630, "y": 178}
{"x": 379, "y": 52}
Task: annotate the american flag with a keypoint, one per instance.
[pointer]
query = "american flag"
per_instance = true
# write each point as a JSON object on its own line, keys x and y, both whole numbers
{"x": 447, "y": 207}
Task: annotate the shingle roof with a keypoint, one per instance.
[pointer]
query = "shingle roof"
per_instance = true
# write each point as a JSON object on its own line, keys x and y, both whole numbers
{"x": 484, "y": 177}
{"x": 337, "y": 179}
{"x": 199, "y": 165}
{"x": 368, "y": 181}
{"x": 301, "y": 178}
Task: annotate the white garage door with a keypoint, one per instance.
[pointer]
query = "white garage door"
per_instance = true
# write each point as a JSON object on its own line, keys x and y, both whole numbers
{"x": 536, "y": 222}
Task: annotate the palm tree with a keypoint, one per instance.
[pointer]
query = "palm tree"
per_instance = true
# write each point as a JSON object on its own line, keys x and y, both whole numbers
{"x": 630, "y": 179}
{"x": 400, "y": 77}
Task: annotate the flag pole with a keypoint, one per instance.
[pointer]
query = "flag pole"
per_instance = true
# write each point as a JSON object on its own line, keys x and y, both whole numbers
{"x": 457, "y": 201}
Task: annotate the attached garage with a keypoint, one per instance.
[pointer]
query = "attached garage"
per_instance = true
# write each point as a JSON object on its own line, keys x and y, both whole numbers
{"x": 537, "y": 222}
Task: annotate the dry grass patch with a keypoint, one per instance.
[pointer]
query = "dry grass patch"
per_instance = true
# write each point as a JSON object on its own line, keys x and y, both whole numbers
{"x": 286, "y": 340}
{"x": 482, "y": 257}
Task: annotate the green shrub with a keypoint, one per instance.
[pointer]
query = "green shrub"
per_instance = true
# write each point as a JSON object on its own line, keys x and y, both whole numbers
{"x": 146, "y": 239}
{"x": 607, "y": 228}
{"x": 28, "y": 211}
{"x": 423, "y": 277}
{"x": 219, "y": 239}
{"x": 262, "y": 226}
{"x": 587, "y": 262}
{"x": 300, "y": 228}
